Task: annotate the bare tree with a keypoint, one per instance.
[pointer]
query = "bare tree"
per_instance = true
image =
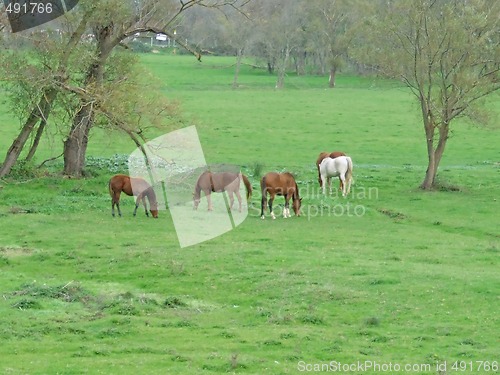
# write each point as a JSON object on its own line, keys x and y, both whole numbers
{"x": 447, "y": 53}
{"x": 279, "y": 29}
{"x": 331, "y": 27}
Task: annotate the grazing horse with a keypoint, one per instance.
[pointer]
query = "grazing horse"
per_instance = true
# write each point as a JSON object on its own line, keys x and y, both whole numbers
{"x": 333, "y": 155}
{"x": 340, "y": 166}
{"x": 219, "y": 182}
{"x": 133, "y": 187}
{"x": 280, "y": 184}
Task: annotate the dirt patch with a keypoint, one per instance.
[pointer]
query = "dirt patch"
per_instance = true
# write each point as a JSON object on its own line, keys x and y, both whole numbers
{"x": 393, "y": 214}
{"x": 16, "y": 251}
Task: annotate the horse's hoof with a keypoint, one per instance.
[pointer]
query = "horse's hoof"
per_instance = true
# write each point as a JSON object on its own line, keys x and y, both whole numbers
{"x": 262, "y": 217}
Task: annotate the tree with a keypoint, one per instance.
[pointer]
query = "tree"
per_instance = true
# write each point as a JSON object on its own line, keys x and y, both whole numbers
{"x": 116, "y": 22}
{"x": 331, "y": 28}
{"x": 447, "y": 53}
{"x": 85, "y": 85}
{"x": 280, "y": 30}
{"x": 32, "y": 83}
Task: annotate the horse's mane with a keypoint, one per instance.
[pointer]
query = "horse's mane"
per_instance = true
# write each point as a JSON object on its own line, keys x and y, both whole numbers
{"x": 296, "y": 193}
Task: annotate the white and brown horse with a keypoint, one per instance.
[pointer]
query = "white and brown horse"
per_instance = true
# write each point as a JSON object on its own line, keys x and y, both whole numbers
{"x": 338, "y": 167}
{"x": 333, "y": 155}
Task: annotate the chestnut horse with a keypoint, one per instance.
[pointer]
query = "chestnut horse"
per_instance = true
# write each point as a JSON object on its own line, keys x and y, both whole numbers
{"x": 280, "y": 184}
{"x": 340, "y": 166}
{"x": 133, "y": 186}
{"x": 333, "y": 155}
{"x": 219, "y": 182}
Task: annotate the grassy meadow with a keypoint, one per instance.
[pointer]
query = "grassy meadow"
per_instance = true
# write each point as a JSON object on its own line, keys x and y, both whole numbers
{"x": 389, "y": 276}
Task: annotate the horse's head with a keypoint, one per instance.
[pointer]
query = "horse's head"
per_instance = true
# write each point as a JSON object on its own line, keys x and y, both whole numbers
{"x": 153, "y": 207}
{"x": 297, "y": 202}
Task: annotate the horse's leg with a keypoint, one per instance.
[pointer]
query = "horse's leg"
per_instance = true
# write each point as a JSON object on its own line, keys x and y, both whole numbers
{"x": 113, "y": 194}
{"x": 330, "y": 184}
{"x": 271, "y": 198}
{"x": 116, "y": 201}
{"x": 323, "y": 184}
{"x": 231, "y": 200}
{"x": 263, "y": 204}
{"x": 209, "y": 201}
{"x": 342, "y": 180}
{"x": 286, "y": 209}
{"x": 238, "y": 195}
{"x": 145, "y": 206}
{"x": 137, "y": 204}
{"x": 341, "y": 185}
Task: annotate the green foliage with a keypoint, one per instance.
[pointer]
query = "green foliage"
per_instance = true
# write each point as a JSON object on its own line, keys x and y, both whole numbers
{"x": 140, "y": 47}
{"x": 118, "y": 163}
{"x": 24, "y": 170}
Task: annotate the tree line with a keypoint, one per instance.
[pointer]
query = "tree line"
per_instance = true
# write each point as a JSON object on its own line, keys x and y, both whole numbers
{"x": 446, "y": 52}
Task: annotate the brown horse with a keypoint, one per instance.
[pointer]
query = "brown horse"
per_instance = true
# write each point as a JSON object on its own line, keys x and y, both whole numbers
{"x": 219, "y": 182}
{"x": 133, "y": 187}
{"x": 280, "y": 184}
{"x": 333, "y": 155}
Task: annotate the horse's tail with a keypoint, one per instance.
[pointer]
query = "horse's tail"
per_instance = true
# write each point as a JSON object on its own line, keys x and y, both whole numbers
{"x": 111, "y": 191}
{"x": 321, "y": 156}
{"x": 248, "y": 186}
{"x": 263, "y": 187}
{"x": 349, "y": 176}
{"x": 319, "y": 174}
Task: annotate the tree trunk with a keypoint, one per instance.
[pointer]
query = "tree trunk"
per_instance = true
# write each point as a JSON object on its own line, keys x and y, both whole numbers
{"x": 239, "y": 57}
{"x": 36, "y": 141}
{"x": 331, "y": 79}
{"x": 300, "y": 63}
{"x": 75, "y": 146}
{"x": 280, "y": 82}
{"x": 430, "y": 174}
{"x": 270, "y": 68}
{"x": 434, "y": 155}
{"x": 41, "y": 111}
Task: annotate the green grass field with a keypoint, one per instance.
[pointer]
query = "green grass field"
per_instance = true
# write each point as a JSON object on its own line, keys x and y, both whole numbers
{"x": 390, "y": 276}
